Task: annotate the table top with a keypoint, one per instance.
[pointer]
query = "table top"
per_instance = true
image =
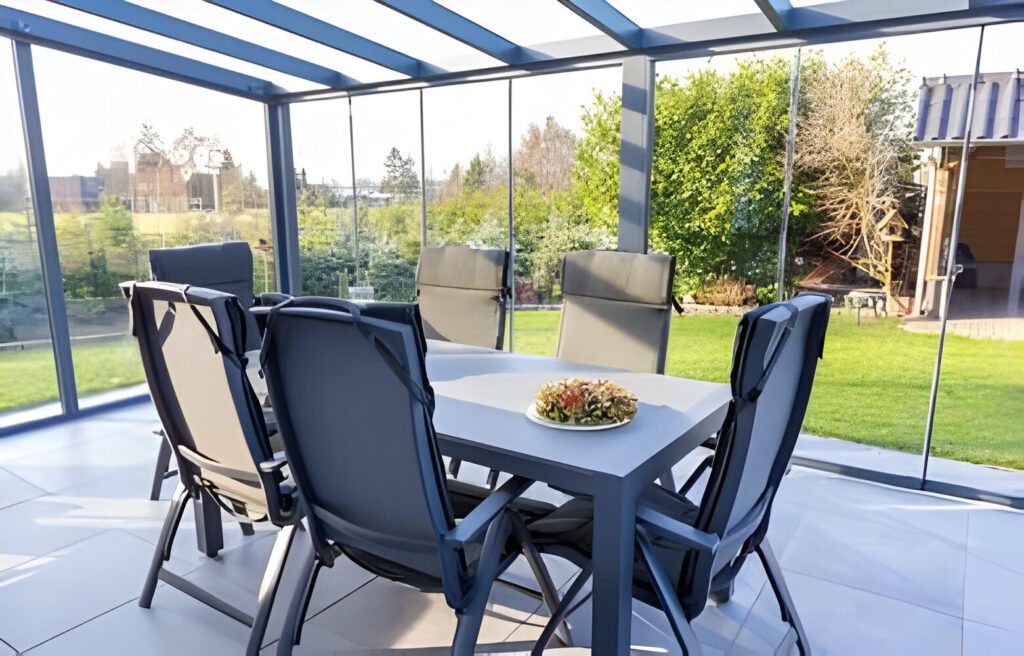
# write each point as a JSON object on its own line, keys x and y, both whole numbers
{"x": 441, "y": 347}
{"x": 481, "y": 401}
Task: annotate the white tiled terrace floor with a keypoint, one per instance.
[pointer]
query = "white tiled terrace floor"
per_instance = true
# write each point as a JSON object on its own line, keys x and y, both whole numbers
{"x": 873, "y": 570}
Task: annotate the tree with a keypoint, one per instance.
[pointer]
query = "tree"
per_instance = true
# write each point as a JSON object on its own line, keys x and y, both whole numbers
{"x": 191, "y": 151}
{"x": 400, "y": 177}
{"x": 485, "y": 172}
{"x": 856, "y": 139}
{"x": 545, "y": 157}
{"x": 562, "y": 235}
{"x": 716, "y": 184}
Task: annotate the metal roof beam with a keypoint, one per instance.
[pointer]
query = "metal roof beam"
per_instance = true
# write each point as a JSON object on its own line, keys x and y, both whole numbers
{"x": 30, "y": 28}
{"x": 202, "y": 37}
{"x": 457, "y": 26}
{"x": 775, "y": 11}
{"x": 605, "y": 17}
{"x": 332, "y": 36}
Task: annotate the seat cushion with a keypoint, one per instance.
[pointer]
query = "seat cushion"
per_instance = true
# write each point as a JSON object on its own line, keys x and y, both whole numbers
{"x": 572, "y": 526}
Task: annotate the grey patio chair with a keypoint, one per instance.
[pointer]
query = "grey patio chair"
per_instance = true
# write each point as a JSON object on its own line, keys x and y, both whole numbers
{"x": 689, "y": 553}
{"x": 192, "y": 342}
{"x": 462, "y": 293}
{"x": 617, "y": 309}
{"x": 225, "y": 267}
{"x": 354, "y": 409}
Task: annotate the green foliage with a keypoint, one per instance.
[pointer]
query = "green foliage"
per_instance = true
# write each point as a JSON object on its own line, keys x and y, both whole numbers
{"x": 400, "y": 177}
{"x": 595, "y": 185}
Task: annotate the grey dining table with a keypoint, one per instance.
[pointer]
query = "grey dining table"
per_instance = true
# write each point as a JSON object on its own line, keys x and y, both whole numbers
{"x": 481, "y": 399}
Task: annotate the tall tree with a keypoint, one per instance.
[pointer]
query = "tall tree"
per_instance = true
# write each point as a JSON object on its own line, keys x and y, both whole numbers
{"x": 545, "y": 157}
{"x": 400, "y": 177}
{"x": 855, "y": 137}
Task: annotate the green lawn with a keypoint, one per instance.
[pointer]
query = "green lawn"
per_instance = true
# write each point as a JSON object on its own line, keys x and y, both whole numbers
{"x": 28, "y": 377}
{"x": 872, "y": 386}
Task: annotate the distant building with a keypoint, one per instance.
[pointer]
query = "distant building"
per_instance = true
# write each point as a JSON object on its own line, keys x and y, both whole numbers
{"x": 116, "y": 180}
{"x": 75, "y": 193}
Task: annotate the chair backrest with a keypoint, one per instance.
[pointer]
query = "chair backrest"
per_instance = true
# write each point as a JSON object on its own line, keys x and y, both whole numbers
{"x": 192, "y": 346}
{"x": 774, "y": 360}
{"x": 225, "y": 267}
{"x": 356, "y": 422}
{"x": 617, "y": 309}
{"x": 462, "y": 294}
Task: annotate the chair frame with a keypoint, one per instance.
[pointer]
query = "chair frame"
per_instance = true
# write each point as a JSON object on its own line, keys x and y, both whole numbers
{"x": 493, "y": 519}
{"x": 745, "y": 536}
{"x": 283, "y": 510}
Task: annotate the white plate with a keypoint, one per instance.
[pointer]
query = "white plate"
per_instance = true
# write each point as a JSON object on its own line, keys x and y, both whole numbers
{"x": 531, "y": 414}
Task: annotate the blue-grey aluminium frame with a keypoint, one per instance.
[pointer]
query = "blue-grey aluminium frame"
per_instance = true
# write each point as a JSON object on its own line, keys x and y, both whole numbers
{"x": 778, "y": 24}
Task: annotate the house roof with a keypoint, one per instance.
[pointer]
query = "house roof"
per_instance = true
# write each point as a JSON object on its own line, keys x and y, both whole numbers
{"x": 942, "y": 110}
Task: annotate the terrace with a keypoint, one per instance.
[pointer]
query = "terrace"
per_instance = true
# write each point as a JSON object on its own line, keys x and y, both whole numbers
{"x": 343, "y": 141}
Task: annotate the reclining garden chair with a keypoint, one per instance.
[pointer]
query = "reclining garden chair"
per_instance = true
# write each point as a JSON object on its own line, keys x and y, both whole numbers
{"x": 225, "y": 267}
{"x": 689, "y": 553}
{"x": 462, "y": 293}
{"x": 192, "y": 342}
{"x": 355, "y": 412}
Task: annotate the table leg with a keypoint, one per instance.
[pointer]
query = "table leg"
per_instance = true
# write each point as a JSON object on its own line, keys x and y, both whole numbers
{"x": 614, "y": 535}
{"x": 209, "y": 530}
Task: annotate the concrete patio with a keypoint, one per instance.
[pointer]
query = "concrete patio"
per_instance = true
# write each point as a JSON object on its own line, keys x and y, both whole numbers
{"x": 874, "y": 570}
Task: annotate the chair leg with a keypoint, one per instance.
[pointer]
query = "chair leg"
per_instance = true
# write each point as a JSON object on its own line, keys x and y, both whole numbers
{"x": 163, "y": 464}
{"x": 268, "y": 588}
{"x": 724, "y": 593}
{"x": 291, "y": 632}
{"x": 786, "y": 606}
{"x": 471, "y": 615}
{"x": 564, "y": 609}
{"x": 668, "y": 598}
{"x": 540, "y": 572}
{"x": 247, "y": 529}
{"x": 162, "y": 552}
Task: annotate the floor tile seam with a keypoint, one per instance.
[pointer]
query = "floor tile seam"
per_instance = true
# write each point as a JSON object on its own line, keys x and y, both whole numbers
{"x": 874, "y": 592}
{"x": 80, "y": 624}
{"x": 746, "y": 617}
{"x": 67, "y": 545}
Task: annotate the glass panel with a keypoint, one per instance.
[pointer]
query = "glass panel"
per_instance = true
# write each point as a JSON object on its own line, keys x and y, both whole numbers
{"x": 982, "y": 386}
{"x": 392, "y": 29}
{"x": 138, "y": 162}
{"x": 320, "y": 141}
{"x": 467, "y": 164}
{"x": 118, "y": 30}
{"x": 387, "y": 150}
{"x": 566, "y": 187}
{"x": 655, "y": 13}
{"x": 534, "y": 23}
{"x": 254, "y": 31}
{"x": 28, "y": 379}
{"x": 862, "y": 243}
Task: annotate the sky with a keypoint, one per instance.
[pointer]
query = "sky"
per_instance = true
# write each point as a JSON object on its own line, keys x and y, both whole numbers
{"x": 93, "y": 112}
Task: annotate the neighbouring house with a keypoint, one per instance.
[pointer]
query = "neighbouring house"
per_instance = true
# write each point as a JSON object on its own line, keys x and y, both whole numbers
{"x": 991, "y": 241}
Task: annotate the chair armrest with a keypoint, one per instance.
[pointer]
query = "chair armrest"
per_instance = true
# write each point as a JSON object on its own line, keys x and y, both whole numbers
{"x": 698, "y": 471}
{"x": 269, "y": 299}
{"x": 674, "y": 531}
{"x": 477, "y": 521}
{"x": 277, "y": 463}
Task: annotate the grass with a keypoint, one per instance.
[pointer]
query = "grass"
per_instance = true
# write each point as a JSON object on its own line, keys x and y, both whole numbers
{"x": 28, "y": 377}
{"x": 873, "y": 384}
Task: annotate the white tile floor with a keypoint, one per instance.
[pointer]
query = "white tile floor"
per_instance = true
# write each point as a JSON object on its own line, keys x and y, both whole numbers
{"x": 873, "y": 570}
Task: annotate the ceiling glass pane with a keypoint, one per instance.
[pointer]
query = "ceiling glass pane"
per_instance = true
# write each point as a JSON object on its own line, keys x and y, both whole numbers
{"x": 141, "y": 37}
{"x": 390, "y": 28}
{"x": 655, "y": 13}
{"x": 242, "y": 27}
{"x": 540, "y": 24}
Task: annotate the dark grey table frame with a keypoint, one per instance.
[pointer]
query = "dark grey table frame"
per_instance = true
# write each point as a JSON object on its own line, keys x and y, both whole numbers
{"x": 481, "y": 398}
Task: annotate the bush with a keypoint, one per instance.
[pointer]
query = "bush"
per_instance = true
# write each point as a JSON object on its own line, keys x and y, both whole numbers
{"x": 726, "y": 291}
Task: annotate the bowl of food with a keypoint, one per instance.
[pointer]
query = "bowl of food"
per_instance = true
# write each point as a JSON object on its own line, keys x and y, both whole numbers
{"x": 582, "y": 404}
